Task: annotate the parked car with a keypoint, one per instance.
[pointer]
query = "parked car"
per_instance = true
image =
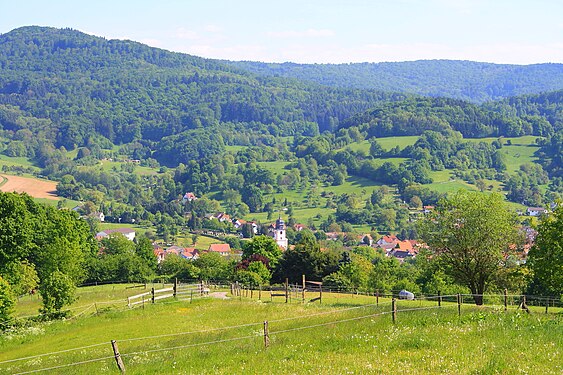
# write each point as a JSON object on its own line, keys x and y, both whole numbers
{"x": 405, "y": 294}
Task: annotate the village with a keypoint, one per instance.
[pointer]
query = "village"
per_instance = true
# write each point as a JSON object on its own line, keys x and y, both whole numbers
{"x": 389, "y": 244}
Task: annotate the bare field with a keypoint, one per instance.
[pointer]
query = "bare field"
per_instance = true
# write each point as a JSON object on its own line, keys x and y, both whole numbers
{"x": 32, "y": 186}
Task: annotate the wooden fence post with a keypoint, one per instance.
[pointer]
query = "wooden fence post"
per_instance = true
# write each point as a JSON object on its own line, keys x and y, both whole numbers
{"x": 377, "y": 297}
{"x": 321, "y": 293}
{"x": 505, "y": 299}
{"x": 394, "y": 310}
{"x": 117, "y": 356}
{"x": 175, "y": 288}
{"x": 286, "y": 290}
{"x": 459, "y": 304}
{"x": 546, "y": 304}
{"x": 260, "y": 292}
{"x": 439, "y": 299}
{"x": 524, "y": 305}
{"x": 152, "y": 295}
{"x": 266, "y": 334}
{"x": 191, "y": 295}
{"x": 303, "y": 292}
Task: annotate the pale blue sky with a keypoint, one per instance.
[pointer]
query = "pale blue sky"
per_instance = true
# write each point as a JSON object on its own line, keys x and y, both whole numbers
{"x": 315, "y": 31}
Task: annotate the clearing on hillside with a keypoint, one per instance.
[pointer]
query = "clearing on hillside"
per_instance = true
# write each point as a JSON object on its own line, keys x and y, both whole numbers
{"x": 32, "y": 186}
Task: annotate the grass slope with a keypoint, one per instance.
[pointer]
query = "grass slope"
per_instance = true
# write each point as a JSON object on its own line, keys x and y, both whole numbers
{"x": 346, "y": 334}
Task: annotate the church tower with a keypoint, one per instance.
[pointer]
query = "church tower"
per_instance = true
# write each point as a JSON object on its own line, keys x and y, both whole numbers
{"x": 279, "y": 234}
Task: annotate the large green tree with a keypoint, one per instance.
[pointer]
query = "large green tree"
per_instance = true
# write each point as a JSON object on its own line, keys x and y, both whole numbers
{"x": 470, "y": 232}
{"x": 546, "y": 256}
{"x": 265, "y": 246}
{"x": 39, "y": 243}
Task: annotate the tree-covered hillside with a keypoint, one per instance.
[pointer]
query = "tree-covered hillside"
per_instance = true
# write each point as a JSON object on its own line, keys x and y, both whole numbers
{"x": 70, "y": 87}
{"x": 106, "y": 119}
{"x": 473, "y": 81}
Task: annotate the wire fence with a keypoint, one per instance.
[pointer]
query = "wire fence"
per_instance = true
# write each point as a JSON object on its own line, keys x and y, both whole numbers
{"x": 297, "y": 293}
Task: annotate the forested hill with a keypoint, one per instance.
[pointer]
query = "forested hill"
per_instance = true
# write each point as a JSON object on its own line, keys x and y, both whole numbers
{"x": 68, "y": 86}
{"x": 61, "y": 87}
{"x": 473, "y": 81}
{"x": 523, "y": 115}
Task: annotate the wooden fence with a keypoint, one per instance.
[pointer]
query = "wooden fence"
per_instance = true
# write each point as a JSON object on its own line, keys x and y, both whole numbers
{"x": 179, "y": 291}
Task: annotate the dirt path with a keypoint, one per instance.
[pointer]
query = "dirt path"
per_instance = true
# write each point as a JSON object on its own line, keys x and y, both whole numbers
{"x": 32, "y": 186}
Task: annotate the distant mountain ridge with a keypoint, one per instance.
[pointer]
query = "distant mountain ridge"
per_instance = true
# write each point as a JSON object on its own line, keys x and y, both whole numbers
{"x": 467, "y": 80}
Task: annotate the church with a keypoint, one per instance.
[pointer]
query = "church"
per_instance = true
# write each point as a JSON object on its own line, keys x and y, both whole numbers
{"x": 279, "y": 234}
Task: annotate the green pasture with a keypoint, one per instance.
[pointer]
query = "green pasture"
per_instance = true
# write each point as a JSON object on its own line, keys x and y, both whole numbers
{"x": 526, "y": 140}
{"x": 345, "y": 334}
{"x": 16, "y": 161}
{"x": 276, "y": 167}
{"x": 108, "y": 166}
{"x": 203, "y": 242}
{"x": 387, "y": 143}
{"x": 516, "y": 155}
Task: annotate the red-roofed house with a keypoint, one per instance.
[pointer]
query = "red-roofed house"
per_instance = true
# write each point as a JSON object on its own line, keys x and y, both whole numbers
{"x": 188, "y": 197}
{"x": 221, "y": 248}
{"x": 190, "y": 253}
{"x": 159, "y": 253}
{"x": 222, "y": 216}
{"x": 299, "y": 227}
{"x": 387, "y": 240}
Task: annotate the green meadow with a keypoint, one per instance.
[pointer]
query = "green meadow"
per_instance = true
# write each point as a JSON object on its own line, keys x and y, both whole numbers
{"x": 345, "y": 334}
{"x": 387, "y": 143}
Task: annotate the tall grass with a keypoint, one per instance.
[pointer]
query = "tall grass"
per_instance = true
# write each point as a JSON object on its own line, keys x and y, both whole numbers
{"x": 344, "y": 334}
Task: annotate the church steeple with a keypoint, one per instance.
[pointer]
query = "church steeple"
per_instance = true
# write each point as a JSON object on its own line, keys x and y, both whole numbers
{"x": 279, "y": 233}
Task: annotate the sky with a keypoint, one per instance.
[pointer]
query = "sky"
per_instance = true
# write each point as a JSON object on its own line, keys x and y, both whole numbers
{"x": 315, "y": 31}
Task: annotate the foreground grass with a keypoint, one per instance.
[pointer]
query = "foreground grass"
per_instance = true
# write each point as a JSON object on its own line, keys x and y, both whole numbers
{"x": 343, "y": 335}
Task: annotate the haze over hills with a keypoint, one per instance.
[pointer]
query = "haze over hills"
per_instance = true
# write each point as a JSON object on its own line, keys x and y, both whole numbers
{"x": 468, "y": 80}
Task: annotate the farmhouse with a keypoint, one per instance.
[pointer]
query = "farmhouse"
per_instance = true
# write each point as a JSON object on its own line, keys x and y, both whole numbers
{"x": 223, "y": 249}
{"x": 536, "y": 211}
{"x": 238, "y": 223}
{"x": 188, "y": 197}
{"x": 387, "y": 240}
{"x": 127, "y": 232}
{"x": 189, "y": 253}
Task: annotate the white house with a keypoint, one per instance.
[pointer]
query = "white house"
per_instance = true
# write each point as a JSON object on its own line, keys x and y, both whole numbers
{"x": 536, "y": 211}
{"x": 127, "y": 232}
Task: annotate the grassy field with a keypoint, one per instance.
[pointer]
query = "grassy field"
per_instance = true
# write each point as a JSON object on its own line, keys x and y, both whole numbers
{"x": 344, "y": 334}
{"x": 16, "y": 161}
{"x": 202, "y": 243}
{"x": 387, "y": 143}
{"x": 107, "y": 166}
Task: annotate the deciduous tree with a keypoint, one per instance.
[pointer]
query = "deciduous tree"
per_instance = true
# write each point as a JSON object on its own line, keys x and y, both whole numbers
{"x": 546, "y": 256}
{"x": 470, "y": 232}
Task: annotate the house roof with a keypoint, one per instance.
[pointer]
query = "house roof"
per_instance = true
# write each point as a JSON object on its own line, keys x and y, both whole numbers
{"x": 220, "y": 248}
{"x": 404, "y": 245}
{"x": 539, "y": 209}
{"x": 119, "y": 230}
{"x": 390, "y": 238}
{"x": 190, "y": 252}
